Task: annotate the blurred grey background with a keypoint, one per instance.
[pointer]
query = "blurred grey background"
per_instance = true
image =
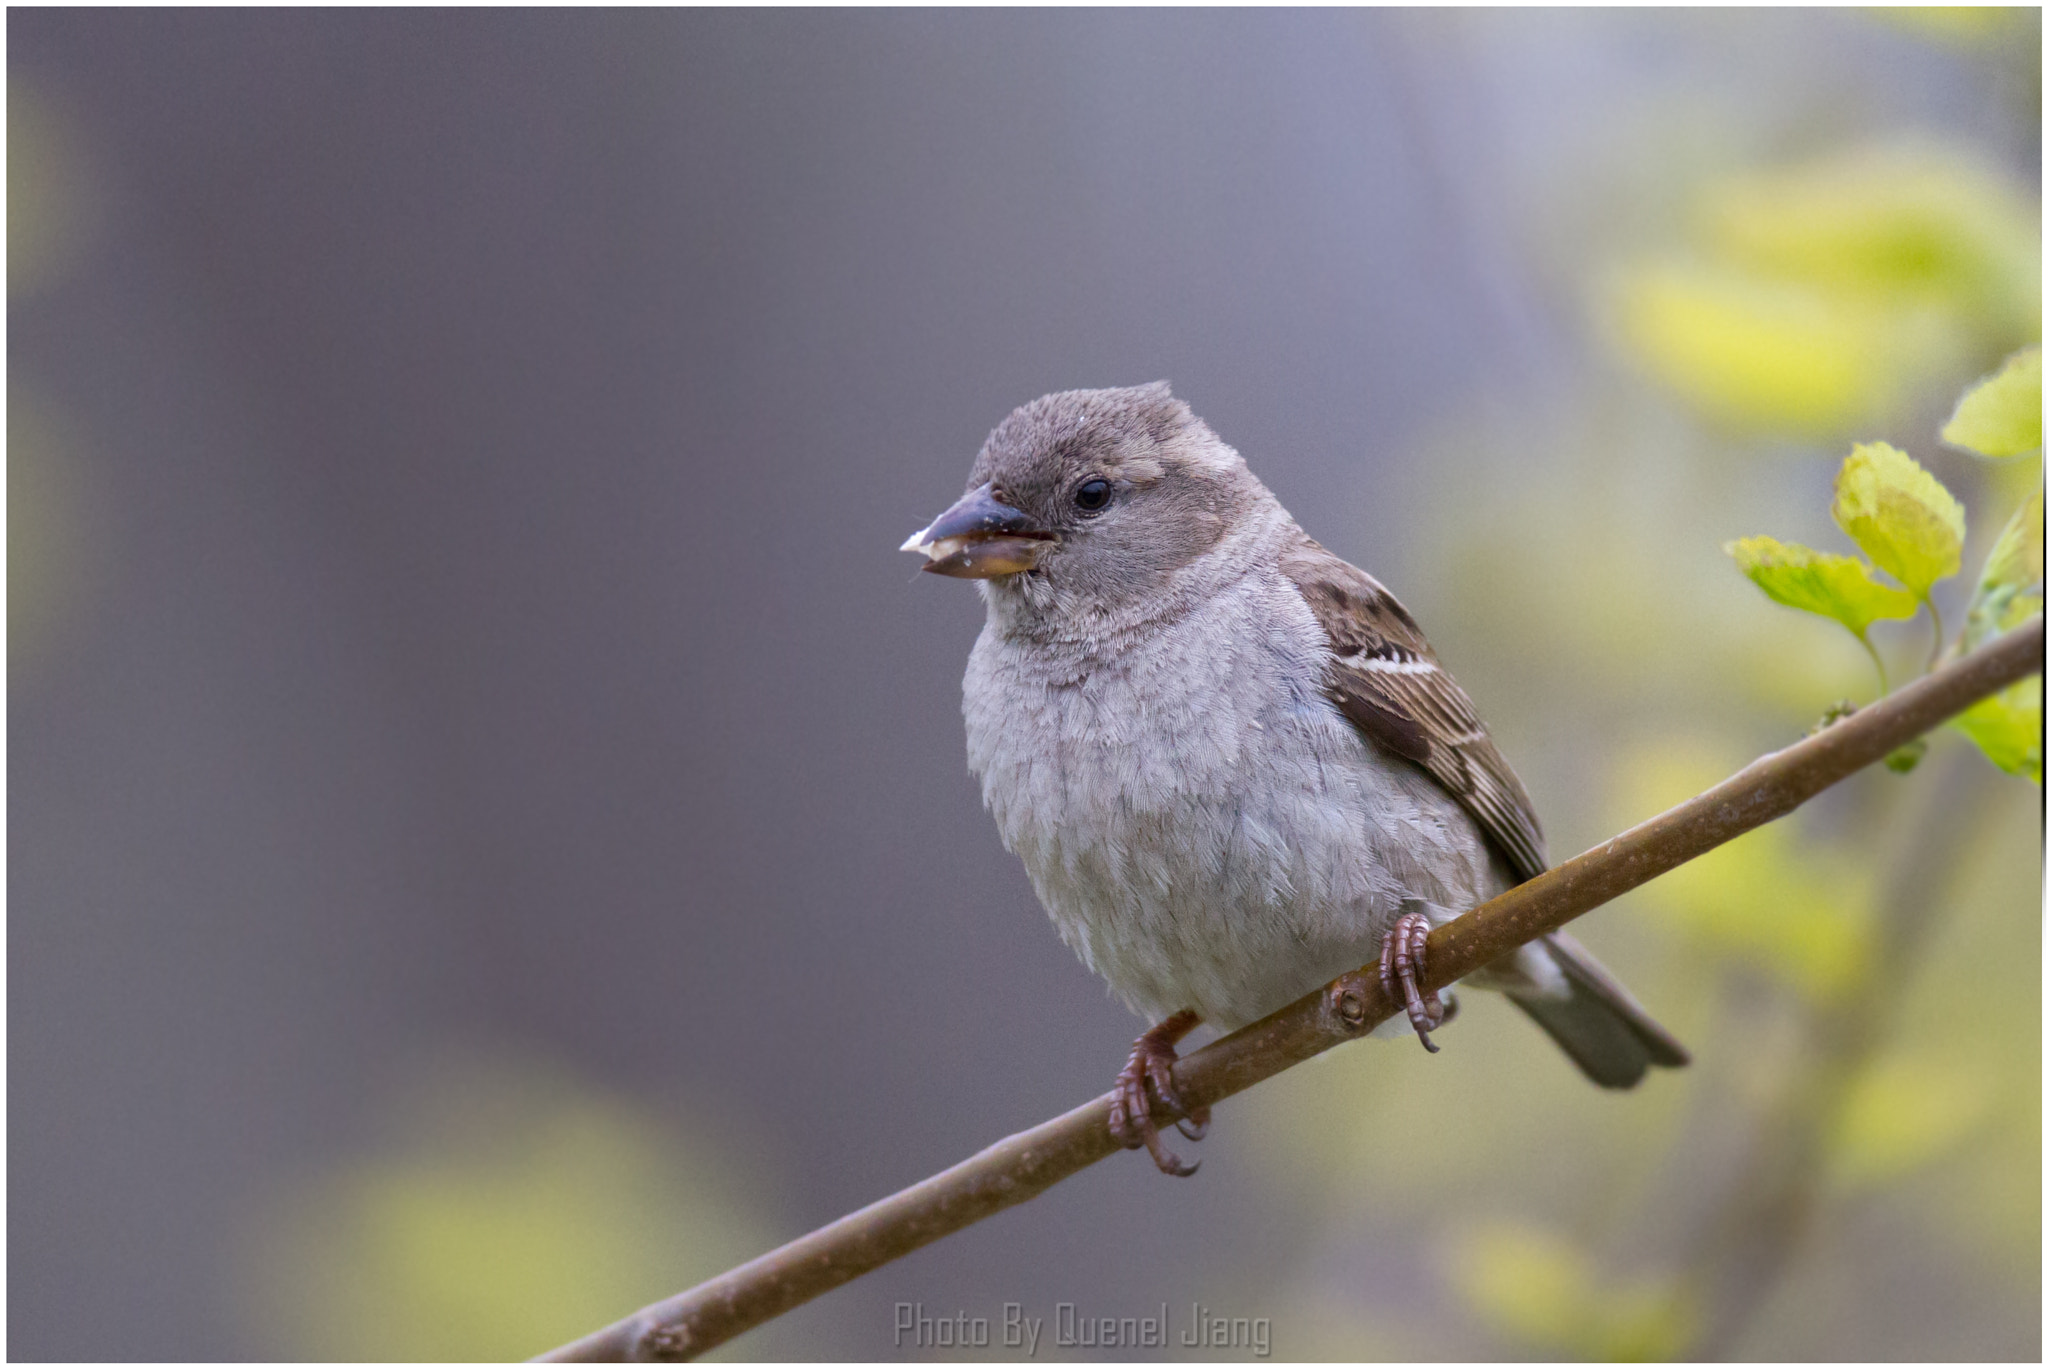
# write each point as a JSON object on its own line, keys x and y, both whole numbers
{"x": 461, "y": 673}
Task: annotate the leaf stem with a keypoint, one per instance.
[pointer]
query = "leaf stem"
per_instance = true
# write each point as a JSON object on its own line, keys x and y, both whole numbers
{"x": 1934, "y": 656}
{"x": 1884, "y": 684}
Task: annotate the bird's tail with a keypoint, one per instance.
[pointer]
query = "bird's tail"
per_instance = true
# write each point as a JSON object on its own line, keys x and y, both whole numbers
{"x": 1588, "y": 1013}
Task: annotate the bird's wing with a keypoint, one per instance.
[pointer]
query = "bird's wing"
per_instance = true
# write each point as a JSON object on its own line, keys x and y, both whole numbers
{"x": 1387, "y": 681}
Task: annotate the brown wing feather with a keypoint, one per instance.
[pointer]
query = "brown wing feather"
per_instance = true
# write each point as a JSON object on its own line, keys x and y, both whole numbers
{"x": 1388, "y": 682}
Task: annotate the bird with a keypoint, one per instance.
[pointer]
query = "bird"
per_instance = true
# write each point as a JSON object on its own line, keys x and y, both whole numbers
{"x": 1232, "y": 766}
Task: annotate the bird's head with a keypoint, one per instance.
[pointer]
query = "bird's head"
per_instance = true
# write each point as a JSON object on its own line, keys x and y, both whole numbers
{"x": 1089, "y": 497}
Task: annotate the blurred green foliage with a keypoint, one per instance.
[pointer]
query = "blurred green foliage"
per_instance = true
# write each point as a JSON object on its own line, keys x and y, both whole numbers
{"x": 511, "y": 1210}
{"x": 42, "y": 562}
{"x": 1904, "y": 1112}
{"x": 46, "y": 221}
{"x": 1819, "y": 297}
{"x": 45, "y": 191}
{"x": 1539, "y": 1289}
{"x": 1962, "y": 26}
{"x": 1769, "y": 901}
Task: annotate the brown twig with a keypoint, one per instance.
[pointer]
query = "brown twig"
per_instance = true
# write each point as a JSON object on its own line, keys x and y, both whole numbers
{"x": 1025, "y": 1165}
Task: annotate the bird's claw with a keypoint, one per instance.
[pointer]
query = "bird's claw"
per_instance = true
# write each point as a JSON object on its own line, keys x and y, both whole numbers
{"x": 1149, "y": 1074}
{"x": 1402, "y": 964}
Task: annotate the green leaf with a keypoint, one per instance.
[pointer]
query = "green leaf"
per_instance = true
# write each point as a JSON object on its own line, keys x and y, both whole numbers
{"x": 2009, "y": 591}
{"x": 2007, "y": 728}
{"x": 2000, "y": 415}
{"x": 1907, "y": 758}
{"x": 1900, "y": 515}
{"x": 2017, "y": 558}
{"x": 1837, "y": 587}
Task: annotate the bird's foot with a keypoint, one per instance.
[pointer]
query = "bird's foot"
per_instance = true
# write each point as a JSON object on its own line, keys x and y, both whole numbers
{"x": 1130, "y": 1106}
{"x": 1401, "y": 965}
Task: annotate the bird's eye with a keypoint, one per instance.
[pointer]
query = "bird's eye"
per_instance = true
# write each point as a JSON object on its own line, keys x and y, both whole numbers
{"x": 1092, "y": 496}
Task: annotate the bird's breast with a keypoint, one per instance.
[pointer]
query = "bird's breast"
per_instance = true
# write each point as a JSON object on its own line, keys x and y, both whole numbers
{"x": 1195, "y": 815}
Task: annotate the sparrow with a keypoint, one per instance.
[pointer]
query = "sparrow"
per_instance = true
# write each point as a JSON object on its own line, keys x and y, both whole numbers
{"x": 1231, "y": 764}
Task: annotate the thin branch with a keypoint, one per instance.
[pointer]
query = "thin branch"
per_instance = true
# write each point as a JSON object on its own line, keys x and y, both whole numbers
{"x": 1025, "y": 1165}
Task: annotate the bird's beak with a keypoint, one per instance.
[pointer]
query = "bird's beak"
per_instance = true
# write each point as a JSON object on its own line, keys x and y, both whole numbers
{"x": 980, "y": 537}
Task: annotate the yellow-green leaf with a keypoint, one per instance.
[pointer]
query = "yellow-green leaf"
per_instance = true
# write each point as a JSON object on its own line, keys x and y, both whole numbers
{"x": 2001, "y": 415}
{"x": 2009, "y": 591}
{"x": 1788, "y": 910}
{"x": 2007, "y": 728}
{"x": 511, "y": 1209}
{"x": 1540, "y": 1292}
{"x": 1530, "y": 1285}
{"x": 1912, "y": 221}
{"x": 1968, "y": 27}
{"x": 2017, "y": 559}
{"x": 1826, "y": 299}
{"x": 1900, "y": 515}
{"x": 1837, "y": 587}
{"x": 1902, "y": 1113}
{"x": 1757, "y": 352}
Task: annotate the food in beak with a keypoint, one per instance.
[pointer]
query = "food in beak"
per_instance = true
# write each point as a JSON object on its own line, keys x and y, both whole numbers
{"x": 978, "y": 556}
{"x": 979, "y": 537}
